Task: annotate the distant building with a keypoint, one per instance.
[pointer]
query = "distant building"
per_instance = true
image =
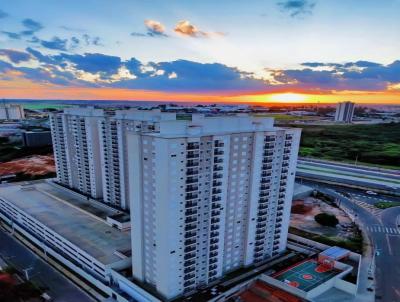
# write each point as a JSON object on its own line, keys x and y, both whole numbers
{"x": 11, "y": 112}
{"x": 36, "y": 138}
{"x": 344, "y": 112}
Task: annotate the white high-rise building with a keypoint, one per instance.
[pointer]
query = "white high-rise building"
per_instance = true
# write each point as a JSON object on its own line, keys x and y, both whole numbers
{"x": 114, "y": 151}
{"x": 11, "y": 112}
{"x": 344, "y": 112}
{"x": 208, "y": 196}
{"x": 90, "y": 149}
{"x": 77, "y": 153}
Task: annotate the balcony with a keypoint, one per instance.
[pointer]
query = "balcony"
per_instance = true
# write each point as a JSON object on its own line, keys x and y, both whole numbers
{"x": 189, "y": 234}
{"x": 213, "y": 247}
{"x": 259, "y": 243}
{"x": 263, "y": 207}
{"x": 216, "y": 191}
{"x": 191, "y": 180}
{"x": 189, "y": 228}
{"x": 189, "y": 249}
{"x": 262, "y": 212}
{"x": 190, "y": 204}
{"x": 191, "y": 172}
{"x": 191, "y": 188}
{"x": 218, "y": 152}
{"x": 217, "y": 175}
{"x": 258, "y": 249}
{"x": 191, "y": 219}
{"x": 217, "y": 183}
{"x": 213, "y": 241}
{"x": 212, "y": 267}
{"x": 193, "y": 146}
{"x": 191, "y": 212}
{"x": 192, "y": 163}
{"x": 189, "y": 269}
{"x": 261, "y": 219}
{"x": 192, "y": 154}
{"x": 214, "y": 234}
{"x": 218, "y": 144}
{"x": 213, "y": 260}
{"x": 213, "y": 254}
{"x": 216, "y": 198}
{"x": 215, "y": 220}
{"x": 215, "y": 213}
{"x": 214, "y": 227}
{"x": 190, "y": 241}
{"x": 191, "y": 196}
{"x": 218, "y": 160}
{"x": 217, "y": 168}
{"x": 215, "y": 206}
{"x": 189, "y": 256}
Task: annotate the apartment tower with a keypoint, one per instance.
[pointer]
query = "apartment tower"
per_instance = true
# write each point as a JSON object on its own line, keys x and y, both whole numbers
{"x": 209, "y": 195}
{"x": 344, "y": 112}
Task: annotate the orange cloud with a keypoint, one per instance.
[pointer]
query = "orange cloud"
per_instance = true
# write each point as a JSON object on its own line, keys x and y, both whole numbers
{"x": 185, "y": 28}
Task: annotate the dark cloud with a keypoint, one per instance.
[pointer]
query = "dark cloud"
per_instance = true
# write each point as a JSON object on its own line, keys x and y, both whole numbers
{"x": 31, "y": 26}
{"x": 11, "y": 35}
{"x": 93, "y": 62}
{"x": 297, "y": 7}
{"x": 3, "y": 14}
{"x": 15, "y": 56}
{"x": 55, "y": 43}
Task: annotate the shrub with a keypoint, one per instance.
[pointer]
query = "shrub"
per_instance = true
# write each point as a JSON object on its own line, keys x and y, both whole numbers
{"x": 326, "y": 219}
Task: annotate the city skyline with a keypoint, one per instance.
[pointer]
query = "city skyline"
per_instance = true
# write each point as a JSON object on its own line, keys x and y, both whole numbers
{"x": 286, "y": 51}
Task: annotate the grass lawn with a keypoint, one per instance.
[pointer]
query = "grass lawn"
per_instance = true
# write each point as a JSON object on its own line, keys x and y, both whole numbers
{"x": 355, "y": 244}
{"x": 386, "y": 205}
{"x": 285, "y": 117}
{"x": 370, "y": 144}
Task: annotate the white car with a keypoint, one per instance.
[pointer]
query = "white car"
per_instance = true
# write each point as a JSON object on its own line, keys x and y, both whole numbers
{"x": 371, "y": 193}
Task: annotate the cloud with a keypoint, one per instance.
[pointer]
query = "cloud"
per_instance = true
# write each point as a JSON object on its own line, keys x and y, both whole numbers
{"x": 15, "y": 56}
{"x": 31, "y": 26}
{"x": 153, "y": 29}
{"x": 55, "y": 43}
{"x": 11, "y": 35}
{"x": 3, "y": 14}
{"x": 297, "y": 7}
{"x": 100, "y": 70}
{"x": 89, "y": 40}
{"x": 92, "y": 62}
{"x": 185, "y": 28}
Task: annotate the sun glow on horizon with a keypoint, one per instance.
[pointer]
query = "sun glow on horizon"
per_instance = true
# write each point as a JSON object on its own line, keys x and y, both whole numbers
{"x": 288, "y": 97}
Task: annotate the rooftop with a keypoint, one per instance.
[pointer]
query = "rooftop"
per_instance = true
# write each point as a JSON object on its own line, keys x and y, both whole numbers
{"x": 50, "y": 206}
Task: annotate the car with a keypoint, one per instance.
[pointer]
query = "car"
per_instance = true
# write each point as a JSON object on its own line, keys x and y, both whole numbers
{"x": 371, "y": 193}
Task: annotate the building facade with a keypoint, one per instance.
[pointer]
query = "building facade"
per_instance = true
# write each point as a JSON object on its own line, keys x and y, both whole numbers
{"x": 11, "y": 112}
{"x": 76, "y": 145}
{"x": 344, "y": 112}
{"x": 90, "y": 149}
{"x": 208, "y": 196}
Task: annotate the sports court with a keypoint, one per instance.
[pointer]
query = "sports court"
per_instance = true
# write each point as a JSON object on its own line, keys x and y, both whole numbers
{"x": 306, "y": 275}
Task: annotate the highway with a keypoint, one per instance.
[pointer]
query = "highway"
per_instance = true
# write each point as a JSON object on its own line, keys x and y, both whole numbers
{"x": 361, "y": 176}
{"x": 40, "y": 273}
{"x": 382, "y": 227}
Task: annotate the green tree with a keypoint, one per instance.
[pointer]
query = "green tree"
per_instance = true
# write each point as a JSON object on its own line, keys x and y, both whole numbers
{"x": 326, "y": 219}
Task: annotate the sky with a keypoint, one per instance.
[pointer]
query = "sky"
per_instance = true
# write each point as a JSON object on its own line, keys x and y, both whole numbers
{"x": 213, "y": 51}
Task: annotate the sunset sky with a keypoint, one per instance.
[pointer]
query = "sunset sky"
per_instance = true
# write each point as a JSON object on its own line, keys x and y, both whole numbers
{"x": 287, "y": 51}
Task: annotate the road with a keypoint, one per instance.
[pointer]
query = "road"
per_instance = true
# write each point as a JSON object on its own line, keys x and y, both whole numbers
{"x": 375, "y": 178}
{"x": 41, "y": 273}
{"x": 382, "y": 227}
